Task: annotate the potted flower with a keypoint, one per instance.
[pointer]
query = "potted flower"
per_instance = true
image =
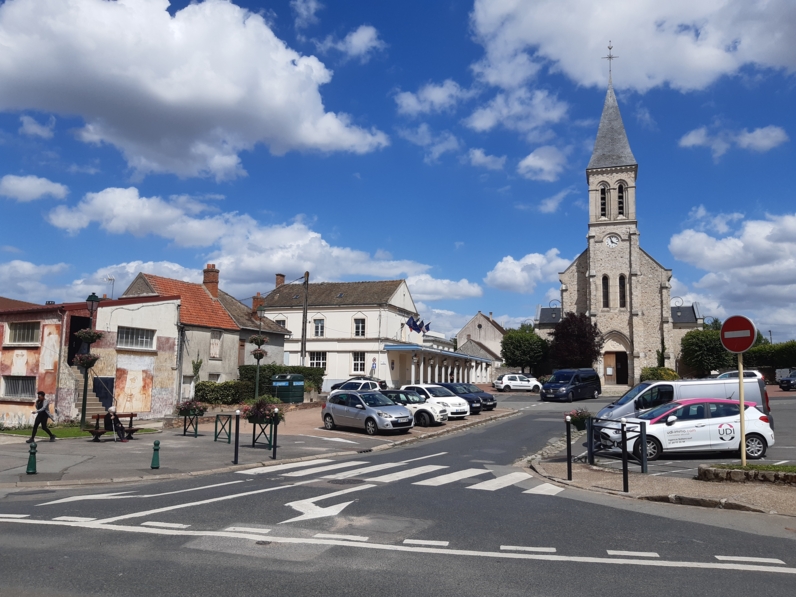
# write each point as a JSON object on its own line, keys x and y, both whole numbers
{"x": 191, "y": 408}
{"x": 262, "y": 411}
{"x": 259, "y": 354}
{"x": 86, "y": 360}
{"x": 88, "y": 336}
{"x": 578, "y": 418}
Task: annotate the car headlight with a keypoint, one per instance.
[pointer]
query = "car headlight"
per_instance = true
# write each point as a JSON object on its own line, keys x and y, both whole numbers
{"x": 561, "y": 390}
{"x": 445, "y": 404}
{"x": 384, "y": 415}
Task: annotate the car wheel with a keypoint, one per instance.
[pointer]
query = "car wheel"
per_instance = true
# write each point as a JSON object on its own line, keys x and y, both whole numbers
{"x": 570, "y": 397}
{"x": 328, "y": 422}
{"x": 755, "y": 446}
{"x": 595, "y": 394}
{"x": 423, "y": 420}
{"x": 507, "y": 388}
{"x": 370, "y": 427}
{"x": 537, "y": 389}
{"x": 654, "y": 449}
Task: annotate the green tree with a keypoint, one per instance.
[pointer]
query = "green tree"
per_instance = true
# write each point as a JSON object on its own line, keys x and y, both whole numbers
{"x": 523, "y": 348}
{"x": 702, "y": 352}
{"x": 577, "y": 342}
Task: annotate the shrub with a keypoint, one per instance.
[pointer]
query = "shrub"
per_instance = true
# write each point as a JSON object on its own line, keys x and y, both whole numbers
{"x": 264, "y": 409}
{"x": 226, "y": 392}
{"x": 658, "y": 374}
{"x": 313, "y": 376}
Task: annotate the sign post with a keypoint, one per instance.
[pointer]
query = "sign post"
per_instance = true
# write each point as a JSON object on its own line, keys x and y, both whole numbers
{"x": 738, "y": 334}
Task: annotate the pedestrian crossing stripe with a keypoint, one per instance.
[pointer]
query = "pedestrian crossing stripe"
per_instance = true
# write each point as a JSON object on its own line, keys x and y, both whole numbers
{"x": 364, "y": 471}
{"x": 322, "y": 469}
{"x": 501, "y": 482}
{"x": 452, "y": 477}
{"x": 545, "y": 489}
{"x": 415, "y": 472}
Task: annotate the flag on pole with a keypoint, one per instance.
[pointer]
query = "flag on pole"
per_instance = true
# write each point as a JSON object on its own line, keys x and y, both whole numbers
{"x": 427, "y": 327}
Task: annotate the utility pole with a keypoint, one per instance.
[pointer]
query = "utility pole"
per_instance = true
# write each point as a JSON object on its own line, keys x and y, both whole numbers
{"x": 304, "y": 320}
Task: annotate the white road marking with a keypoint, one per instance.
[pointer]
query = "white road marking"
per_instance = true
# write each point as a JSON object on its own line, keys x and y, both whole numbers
{"x": 746, "y": 559}
{"x": 364, "y": 471}
{"x": 418, "y": 549}
{"x": 428, "y": 543}
{"x": 344, "y": 537}
{"x": 264, "y": 470}
{"x": 74, "y": 518}
{"x": 328, "y": 439}
{"x": 129, "y": 494}
{"x": 545, "y": 489}
{"x": 14, "y": 515}
{"x": 247, "y": 530}
{"x": 165, "y": 525}
{"x": 424, "y": 457}
{"x": 501, "y": 482}
{"x": 452, "y": 477}
{"x": 199, "y": 503}
{"x": 781, "y": 462}
{"x": 309, "y": 510}
{"x": 323, "y": 469}
{"x": 632, "y": 554}
{"x": 415, "y": 472}
{"x": 521, "y": 548}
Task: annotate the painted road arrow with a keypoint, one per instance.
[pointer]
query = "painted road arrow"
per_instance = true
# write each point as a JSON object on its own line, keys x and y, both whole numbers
{"x": 125, "y": 494}
{"x": 310, "y": 510}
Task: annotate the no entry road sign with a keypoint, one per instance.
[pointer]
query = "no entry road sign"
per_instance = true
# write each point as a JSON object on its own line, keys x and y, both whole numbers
{"x": 738, "y": 333}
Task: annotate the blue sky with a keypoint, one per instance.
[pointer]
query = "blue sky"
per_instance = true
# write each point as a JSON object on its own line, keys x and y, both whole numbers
{"x": 444, "y": 142}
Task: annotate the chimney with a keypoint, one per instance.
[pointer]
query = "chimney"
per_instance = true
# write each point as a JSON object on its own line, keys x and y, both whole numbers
{"x": 490, "y": 316}
{"x": 280, "y": 279}
{"x": 256, "y": 302}
{"x": 104, "y": 296}
{"x": 210, "y": 281}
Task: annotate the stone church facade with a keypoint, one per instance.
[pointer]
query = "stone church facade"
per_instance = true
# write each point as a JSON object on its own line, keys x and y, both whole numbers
{"x": 622, "y": 288}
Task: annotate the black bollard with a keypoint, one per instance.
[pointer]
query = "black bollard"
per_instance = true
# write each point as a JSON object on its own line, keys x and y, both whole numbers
{"x": 32, "y": 460}
{"x": 156, "y": 455}
{"x": 569, "y": 449}
{"x": 625, "y": 487}
{"x": 237, "y": 435}
{"x": 276, "y": 426}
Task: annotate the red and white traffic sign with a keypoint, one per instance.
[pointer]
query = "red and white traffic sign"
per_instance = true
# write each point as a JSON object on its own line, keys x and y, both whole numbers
{"x": 738, "y": 333}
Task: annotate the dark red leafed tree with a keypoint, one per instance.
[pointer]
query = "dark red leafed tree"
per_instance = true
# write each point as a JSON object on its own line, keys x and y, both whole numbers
{"x": 576, "y": 342}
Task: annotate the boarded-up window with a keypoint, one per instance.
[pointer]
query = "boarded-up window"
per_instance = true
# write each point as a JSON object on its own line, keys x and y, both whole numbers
{"x": 24, "y": 333}
{"x": 215, "y": 344}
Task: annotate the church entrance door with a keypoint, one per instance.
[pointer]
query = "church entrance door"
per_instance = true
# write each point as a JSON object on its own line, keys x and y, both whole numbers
{"x": 609, "y": 360}
{"x": 621, "y": 368}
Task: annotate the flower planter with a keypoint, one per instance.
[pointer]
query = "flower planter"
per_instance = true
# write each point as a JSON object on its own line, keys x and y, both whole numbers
{"x": 579, "y": 424}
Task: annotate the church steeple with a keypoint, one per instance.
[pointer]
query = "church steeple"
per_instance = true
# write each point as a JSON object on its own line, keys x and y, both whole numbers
{"x": 611, "y": 149}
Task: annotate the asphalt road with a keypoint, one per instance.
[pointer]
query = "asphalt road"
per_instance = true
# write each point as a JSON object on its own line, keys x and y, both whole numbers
{"x": 450, "y": 516}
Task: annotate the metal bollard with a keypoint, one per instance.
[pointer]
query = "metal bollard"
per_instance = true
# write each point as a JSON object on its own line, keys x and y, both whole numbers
{"x": 624, "y": 456}
{"x": 237, "y": 435}
{"x": 273, "y": 439}
{"x": 156, "y": 454}
{"x": 643, "y": 450}
{"x": 569, "y": 448}
{"x": 32, "y": 460}
{"x": 590, "y": 441}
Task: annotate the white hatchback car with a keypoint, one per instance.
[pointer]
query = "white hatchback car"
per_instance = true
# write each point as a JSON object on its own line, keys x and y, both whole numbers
{"x": 695, "y": 425}
{"x": 457, "y": 407}
{"x": 515, "y": 381}
{"x": 426, "y": 413}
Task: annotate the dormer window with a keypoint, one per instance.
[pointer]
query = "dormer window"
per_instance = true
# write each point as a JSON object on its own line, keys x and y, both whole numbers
{"x": 603, "y": 202}
{"x": 620, "y": 195}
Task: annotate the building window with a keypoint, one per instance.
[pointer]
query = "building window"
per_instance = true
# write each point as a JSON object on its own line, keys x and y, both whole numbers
{"x": 281, "y": 323}
{"x": 359, "y": 362}
{"x": 622, "y": 293}
{"x": 24, "y": 333}
{"x": 318, "y": 359}
{"x": 135, "y": 338}
{"x": 620, "y": 197}
{"x": 215, "y": 377}
{"x": 603, "y": 202}
{"x": 215, "y": 344}
{"x": 359, "y": 328}
{"x": 318, "y": 327}
{"x": 606, "y": 293}
{"x": 17, "y": 386}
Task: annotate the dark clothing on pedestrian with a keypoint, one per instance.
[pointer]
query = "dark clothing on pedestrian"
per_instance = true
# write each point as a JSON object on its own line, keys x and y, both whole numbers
{"x": 42, "y": 416}
{"x": 112, "y": 423}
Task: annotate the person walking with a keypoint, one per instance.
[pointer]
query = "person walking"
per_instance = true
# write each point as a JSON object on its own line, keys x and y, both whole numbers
{"x": 42, "y": 413}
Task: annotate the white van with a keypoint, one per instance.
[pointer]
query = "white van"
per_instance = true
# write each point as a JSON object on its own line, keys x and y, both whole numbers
{"x": 649, "y": 394}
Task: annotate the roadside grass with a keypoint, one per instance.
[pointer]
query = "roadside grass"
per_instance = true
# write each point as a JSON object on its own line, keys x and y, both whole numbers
{"x": 59, "y": 432}
{"x": 781, "y": 468}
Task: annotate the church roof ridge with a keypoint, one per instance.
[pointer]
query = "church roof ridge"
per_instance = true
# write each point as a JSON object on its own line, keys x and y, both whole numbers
{"x": 611, "y": 147}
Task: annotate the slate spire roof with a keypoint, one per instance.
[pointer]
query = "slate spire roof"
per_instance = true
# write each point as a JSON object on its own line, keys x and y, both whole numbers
{"x": 611, "y": 148}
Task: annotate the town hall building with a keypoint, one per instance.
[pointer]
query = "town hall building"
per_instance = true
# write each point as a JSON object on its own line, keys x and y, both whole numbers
{"x": 621, "y": 287}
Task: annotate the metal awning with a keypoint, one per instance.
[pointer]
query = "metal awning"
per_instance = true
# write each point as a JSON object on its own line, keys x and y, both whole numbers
{"x": 434, "y": 351}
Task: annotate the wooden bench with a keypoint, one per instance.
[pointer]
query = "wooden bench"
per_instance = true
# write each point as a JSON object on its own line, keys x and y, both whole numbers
{"x": 98, "y": 432}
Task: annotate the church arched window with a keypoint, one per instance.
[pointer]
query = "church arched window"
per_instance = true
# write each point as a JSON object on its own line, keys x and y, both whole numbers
{"x": 603, "y": 202}
{"x": 622, "y": 292}
{"x": 606, "y": 293}
{"x": 620, "y": 200}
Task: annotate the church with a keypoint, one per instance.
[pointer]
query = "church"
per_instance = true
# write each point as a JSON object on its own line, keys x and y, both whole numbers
{"x": 621, "y": 287}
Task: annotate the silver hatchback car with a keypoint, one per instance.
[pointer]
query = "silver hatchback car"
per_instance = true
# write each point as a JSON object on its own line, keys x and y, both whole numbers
{"x": 371, "y": 411}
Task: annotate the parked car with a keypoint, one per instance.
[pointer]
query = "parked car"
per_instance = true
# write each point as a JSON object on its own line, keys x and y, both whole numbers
{"x": 788, "y": 382}
{"x": 696, "y": 425}
{"x": 746, "y": 373}
{"x": 515, "y": 381}
{"x": 651, "y": 394}
{"x": 572, "y": 384}
{"x": 425, "y": 413}
{"x": 488, "y": 401}
{"x": 457, "y": 407}
{"x": 361, "y": 383}
{"x": 371, "y": 411}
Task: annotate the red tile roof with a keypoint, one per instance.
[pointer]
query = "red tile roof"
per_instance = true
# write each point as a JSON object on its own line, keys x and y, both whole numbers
{"x": 7, "y": 304}
{"x": 197, "y": 306}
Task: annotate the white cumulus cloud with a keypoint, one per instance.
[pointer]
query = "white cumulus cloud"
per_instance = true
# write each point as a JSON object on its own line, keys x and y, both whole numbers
{"x": 32, "y": 128}
{"x": 521, "y": 110}
{"x": 543, "y": 163}
{"x": 361, "y": 43}
{"x": 525, "y": 274}
{"x": 434, "y": 145}
{"x": 479, "y": 158}
{"x": 431, "y": 98}
{"x": 721, "y": 140}
{"x": 426, "y": 288}
{"x": 305, "y": 12}
{"x": 30, "y": 188}
{"x": 184, "y": 94}
{"x": 25, "y": 281}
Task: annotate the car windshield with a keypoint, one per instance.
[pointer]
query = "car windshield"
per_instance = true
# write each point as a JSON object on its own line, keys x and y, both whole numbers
{"x": 472, "y": 388}
{"x": 460, "y": 389}
{"x": 439, "y": 392}
{"x": 376, "y": 399}
{"x": 410, "y": 397}
{"x": 631, "y": 394}
{"x": 657, "y": 412}
{"x": 522, "y": 378}
{"x": 560, "y": 377}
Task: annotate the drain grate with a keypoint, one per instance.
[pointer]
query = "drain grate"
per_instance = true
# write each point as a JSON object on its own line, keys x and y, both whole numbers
{"x": 365, "y": 451}
{"x": 263, "y": 542}
{"x": 346, "y": 481}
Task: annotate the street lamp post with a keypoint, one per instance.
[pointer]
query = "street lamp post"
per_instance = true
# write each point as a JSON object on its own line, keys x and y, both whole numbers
{"x": 260, "y": 311}
{"x": 91, "y": 304}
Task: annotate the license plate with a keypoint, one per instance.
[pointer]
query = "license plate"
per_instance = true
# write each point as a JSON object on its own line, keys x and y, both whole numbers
{"x": 404, "y": 420}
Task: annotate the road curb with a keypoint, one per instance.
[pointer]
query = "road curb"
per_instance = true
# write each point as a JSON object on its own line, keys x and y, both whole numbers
{"x": 244, "y": 467}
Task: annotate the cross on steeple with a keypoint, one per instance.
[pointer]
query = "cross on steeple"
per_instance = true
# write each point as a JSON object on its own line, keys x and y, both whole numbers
{"x": 610, "y": 58}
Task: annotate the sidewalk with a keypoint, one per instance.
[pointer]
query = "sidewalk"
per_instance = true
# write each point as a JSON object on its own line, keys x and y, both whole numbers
{"x": 755, "y": 497}
{"x": 301, "y": 437}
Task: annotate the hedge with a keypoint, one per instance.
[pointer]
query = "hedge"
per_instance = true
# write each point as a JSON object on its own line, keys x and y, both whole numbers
{"x": 778, "y": 356}
{"x": 225, "y": 392}
{"x": 313, "y": 376}
{"x": 658, "y": 374}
